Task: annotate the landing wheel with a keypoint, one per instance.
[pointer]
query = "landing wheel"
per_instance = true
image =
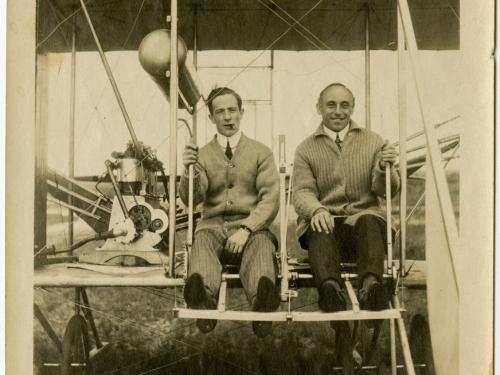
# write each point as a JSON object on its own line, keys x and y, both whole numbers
{"x": 420, "y": 345}
{"x": 75, "y": 347}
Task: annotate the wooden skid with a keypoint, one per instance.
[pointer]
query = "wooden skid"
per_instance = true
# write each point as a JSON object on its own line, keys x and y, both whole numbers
{"x": 282, "y": 316}
{"x": 66, "y": 276}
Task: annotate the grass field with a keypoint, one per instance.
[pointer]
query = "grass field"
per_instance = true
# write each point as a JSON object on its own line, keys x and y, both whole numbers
{"x": 145, "y": 339}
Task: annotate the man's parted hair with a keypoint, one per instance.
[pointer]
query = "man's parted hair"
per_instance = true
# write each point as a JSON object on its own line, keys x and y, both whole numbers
{"x": 338, "y": 84}
{"x": 219, "y": 91}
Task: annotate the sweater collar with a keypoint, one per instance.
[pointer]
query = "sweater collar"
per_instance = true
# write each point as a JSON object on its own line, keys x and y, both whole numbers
{"x": 353, "y": 126}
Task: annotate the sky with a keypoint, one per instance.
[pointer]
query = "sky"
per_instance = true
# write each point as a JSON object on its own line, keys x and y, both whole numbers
{"x": 281, "y": 102}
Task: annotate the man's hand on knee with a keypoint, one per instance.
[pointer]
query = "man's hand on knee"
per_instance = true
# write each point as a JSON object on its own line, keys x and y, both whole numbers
{"x": 237, "y": 241}
{"x": 323, "y": 221}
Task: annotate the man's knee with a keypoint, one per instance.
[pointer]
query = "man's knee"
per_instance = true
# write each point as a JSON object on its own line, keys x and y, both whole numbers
{"x": 207, "y": 236}
{"x": 263, "y": 239}
{"x": 369, "y": 222}
{"x": 313, "y": 238}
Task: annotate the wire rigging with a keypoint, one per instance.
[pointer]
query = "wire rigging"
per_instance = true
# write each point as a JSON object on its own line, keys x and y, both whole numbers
{"x": 150, "y": 330}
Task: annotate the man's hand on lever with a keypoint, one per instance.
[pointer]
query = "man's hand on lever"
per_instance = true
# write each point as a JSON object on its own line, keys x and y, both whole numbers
{"x": 389, "y": 155}
{"x": 190, "y": 155}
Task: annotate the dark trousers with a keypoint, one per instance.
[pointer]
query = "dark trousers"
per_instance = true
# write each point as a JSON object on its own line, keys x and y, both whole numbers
{"x": 363, "y": 244}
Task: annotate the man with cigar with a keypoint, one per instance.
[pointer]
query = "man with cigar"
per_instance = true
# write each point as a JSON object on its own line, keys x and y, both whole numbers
{"x": 237, "y": 182}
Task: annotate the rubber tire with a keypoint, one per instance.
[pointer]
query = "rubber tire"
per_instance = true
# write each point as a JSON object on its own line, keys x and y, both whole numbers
{"x": 75, "y": 346}
{"x": 420, "y": 345}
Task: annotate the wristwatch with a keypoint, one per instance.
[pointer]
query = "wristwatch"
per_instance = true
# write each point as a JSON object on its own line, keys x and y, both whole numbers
{"x": 243, "y": 226}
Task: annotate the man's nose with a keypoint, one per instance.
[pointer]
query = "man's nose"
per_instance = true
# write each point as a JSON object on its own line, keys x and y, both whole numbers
{"x": 337, "y": 110}
{"x": 227, "y": 115}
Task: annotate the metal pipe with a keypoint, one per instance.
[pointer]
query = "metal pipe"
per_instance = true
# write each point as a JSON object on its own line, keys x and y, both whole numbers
{"x": 367, "y": 67}
{"x": 271, "y": 89}
{"x": 421, "y": 132}
{"x": 118, "y": 194}
{"x": 388, "y": 204}
{"x": 255, "y": 122}
{"x": 174, "y": 88}
{"x": 402, "y": 146}
{"x": 189, "y": 235}
{"x": 94, "y": 237}
{"x": 283, "y": 221}
{"x": 195, "y": 64}
{"x": 71, "y": 159}
{"x": 76, "y": 209}
{"x": 112, "y": 79}
{"x": 440, "y": 141}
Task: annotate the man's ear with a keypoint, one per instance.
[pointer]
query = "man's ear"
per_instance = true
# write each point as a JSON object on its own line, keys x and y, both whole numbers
{"x": 242, "y": 112}
{"x": 317, "y": 109}
{"x": 211, "y": 117}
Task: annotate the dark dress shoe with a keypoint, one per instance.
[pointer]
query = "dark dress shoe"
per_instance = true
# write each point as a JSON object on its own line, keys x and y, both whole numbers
{"x": 267, "y": 300}
{"x": 330, "y": 297}
{"x": 196, "y": 297}
{"x": 373, "y": 296}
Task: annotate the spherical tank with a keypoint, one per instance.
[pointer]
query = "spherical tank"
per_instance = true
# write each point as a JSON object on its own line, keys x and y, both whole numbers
{"x": 154, "y": 52}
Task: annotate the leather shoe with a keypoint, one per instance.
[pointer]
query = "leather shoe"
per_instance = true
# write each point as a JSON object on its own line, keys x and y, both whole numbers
{"x": 373, "y": 295}
{"x": 267, "y": 300}
{"x": 196, "y": 297}
{"x": 330, "y": 297}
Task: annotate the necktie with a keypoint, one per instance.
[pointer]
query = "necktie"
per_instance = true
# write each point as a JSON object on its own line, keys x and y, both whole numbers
{"x": 338, "y": 141}
{"x": 229, "y": 152}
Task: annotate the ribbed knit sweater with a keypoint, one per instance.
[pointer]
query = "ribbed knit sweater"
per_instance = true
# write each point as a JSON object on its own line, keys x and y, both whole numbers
{"x": 240, "y": 191}
{"x": 346, "y": 183}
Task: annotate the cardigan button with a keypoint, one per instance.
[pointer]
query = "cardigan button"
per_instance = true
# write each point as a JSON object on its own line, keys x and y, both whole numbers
{"x": 230, "y": 186}
{"x": 229, "y": 203}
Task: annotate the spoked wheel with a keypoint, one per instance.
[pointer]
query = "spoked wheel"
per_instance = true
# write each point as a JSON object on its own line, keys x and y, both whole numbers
{"x": 75, "y": 347}
{"x": 421, "y": 346}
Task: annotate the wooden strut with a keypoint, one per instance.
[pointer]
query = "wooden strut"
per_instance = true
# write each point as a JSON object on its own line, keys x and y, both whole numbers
{"x": 172, "y": 160}
{"x": 47, "y": 327}
{"x": 436, "y": 164}
{"x": 282, "y": 316}
{"x": 284, "y": 269}
{"x": 90, "y": 318}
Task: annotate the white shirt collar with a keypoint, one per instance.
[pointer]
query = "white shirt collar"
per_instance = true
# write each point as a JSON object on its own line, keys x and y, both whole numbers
{"x": 233, "y": 140}
{"x": 333, "y": 135}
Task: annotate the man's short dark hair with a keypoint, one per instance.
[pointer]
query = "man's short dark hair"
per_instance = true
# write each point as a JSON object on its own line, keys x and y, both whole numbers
{"x": 338, "y": 84}
{"x": 219, "y": 91}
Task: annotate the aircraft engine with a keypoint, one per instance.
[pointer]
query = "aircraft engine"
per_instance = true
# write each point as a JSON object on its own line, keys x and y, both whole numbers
{"x": 154, "y": 55}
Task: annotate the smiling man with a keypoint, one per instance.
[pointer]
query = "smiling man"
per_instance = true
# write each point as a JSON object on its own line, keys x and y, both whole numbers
{"x": 237, "y": 181}
{"x": 339, "y": 173}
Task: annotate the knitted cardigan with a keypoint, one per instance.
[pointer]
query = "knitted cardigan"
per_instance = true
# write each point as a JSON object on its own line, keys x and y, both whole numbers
{"x": 240, "y": 191}
{"x": 346, "y": 183}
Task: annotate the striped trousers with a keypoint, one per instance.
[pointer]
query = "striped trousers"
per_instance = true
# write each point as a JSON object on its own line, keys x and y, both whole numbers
{"x": 257, "y": 259}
